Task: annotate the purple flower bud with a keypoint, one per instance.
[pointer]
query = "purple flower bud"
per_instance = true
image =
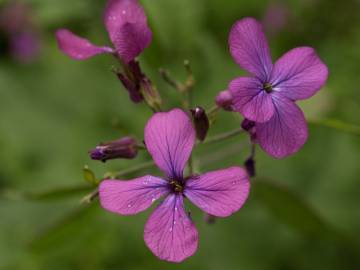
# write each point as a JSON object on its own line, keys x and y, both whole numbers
{"x": 201, "y": 122}
{"x": 250, "y": 127}
{"x": 122, "y": 148}
{"x": 247, "y": 125}
{"x": 224, "y": 100}
{"x": 250, "y": 166}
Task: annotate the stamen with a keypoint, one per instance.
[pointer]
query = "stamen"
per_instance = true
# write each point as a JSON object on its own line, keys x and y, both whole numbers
{"x": 268, "y": 87}
{"x": 176, "y": 186}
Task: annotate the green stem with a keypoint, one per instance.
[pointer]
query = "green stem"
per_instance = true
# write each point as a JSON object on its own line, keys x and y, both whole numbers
{"x": 336, "y": 124}
{"x": 131, "y": 170}
{"x": 223, "y": 136}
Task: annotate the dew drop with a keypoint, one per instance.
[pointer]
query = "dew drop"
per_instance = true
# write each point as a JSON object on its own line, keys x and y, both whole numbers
{"x": 129, "y": 205}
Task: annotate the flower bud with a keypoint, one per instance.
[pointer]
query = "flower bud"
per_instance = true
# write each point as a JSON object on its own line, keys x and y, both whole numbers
{"x": 224, "y": 100}
{"x": 122, "y": 148}
{"x": 250, "y": 166}
{"x": 250, "y": 127}
{"x": 201, "y": 122}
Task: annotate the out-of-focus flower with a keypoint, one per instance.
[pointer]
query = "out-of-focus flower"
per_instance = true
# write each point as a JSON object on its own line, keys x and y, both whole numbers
{"x": 22, "y": 40}
{"x": 122, "y": 148}
{"x": 169, "y": 232}
{"x": 268, "y": 96}
{"x": 201, "y": 122}
{"x": 126, "y": 23}
{"x": 275, "y": 18}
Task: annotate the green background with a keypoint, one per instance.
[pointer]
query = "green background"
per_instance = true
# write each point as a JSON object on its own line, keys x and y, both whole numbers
{"x": 303, "y": 211}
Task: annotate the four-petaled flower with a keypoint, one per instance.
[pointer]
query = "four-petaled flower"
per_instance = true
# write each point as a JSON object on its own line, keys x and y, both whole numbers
{"x": 126, "y": 23}
{"x": 268, "y": 97}
{"x": 169, "y": 232}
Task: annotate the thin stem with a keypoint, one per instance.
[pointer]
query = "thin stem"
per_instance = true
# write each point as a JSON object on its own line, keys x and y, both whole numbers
{"x": 223, "y": 136}
{"x": 133, "y": 169}
{"x": 336, "y": 124}
{"x": 140, "y": 146}
{"x": 169, "y": 80}
{"x": 94, "y": 194}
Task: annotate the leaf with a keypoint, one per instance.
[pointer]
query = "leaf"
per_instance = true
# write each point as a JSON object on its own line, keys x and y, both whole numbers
{"x": 289, "y": 208}
{"x": 53, "y": 194}
{"x": 337, "y": 124}
{"x": 89, "y": 176}
{"x": 64, "y": 229}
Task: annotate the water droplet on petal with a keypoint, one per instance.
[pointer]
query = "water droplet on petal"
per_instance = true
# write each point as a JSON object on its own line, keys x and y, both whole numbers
{"x": 129, "y": 205}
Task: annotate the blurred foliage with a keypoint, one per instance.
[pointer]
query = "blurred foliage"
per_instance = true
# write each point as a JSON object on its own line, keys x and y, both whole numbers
{"x": 54, "y": 110}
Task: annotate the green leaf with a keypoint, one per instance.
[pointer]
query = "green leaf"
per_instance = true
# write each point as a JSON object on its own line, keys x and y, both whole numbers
{"x": 89, "y": 175}
{"x": 337, "y": 124}
{"x": 289, "y": 208}
{"x": 64, "y": 229}
{"x": 53, "y": 194}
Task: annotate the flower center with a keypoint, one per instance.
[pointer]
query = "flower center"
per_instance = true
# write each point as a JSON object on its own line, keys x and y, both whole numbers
{"x": 176, "y": 186}
{"x": 268, "y": 87}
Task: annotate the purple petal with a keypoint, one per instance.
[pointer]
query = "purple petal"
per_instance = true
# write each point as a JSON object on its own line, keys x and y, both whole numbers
{"x": 299, "y": 74}
{"x": 286, "y": 132}
{"x": 132, "y": 196}
{"x": 169, "y": 138}
{"x": 76, "y": 47}
{"x": 249, "y": 48}
{"x": 219, "y": 193}
{"x": 126, "y": 23}
{"x": 251, "y": 100}
{"x": 169, "y": 232}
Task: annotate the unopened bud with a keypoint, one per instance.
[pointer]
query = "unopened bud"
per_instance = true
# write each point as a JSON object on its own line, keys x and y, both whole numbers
{"x": 123, "y": 148}
{"x": 247, "y": 124}
{"x": 250, "y": 166}
{"x": 250, "y": 127}
{"x": 224, "y": 100}
{"x": 201, "y": 122}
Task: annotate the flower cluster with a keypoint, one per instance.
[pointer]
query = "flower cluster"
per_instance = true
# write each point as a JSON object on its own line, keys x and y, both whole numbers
{"x": 266, "y": 100}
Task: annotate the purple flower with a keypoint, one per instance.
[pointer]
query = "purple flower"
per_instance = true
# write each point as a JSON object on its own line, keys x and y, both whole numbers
{"x": 169, "y": 232}
{"x": 126, "y": 23}
{"x": 122, "y": 148}
{"x": 268, "y": 96}
{"x": 22, "y": 40}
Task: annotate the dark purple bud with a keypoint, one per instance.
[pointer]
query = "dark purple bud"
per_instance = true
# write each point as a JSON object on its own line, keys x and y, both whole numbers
{"x": 224, "y": 100}
{"x": 250, "y": 127}
{"x": 123, "y": 148}
{"x": 250, "y": 166}
{"x": 131, "y": 87}
{"x": 201, "y": 122}
{"x": 247, "y": 124}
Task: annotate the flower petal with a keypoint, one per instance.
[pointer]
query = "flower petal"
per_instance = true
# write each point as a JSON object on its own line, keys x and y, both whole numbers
{"x": 77, "y": 47}
{"x": 299, "y": 74}
{"x": 169, "y": 232}
{"x": 286, "y": 132}
{"x": 132, "y": 196}
{"x": 126, "y": 23}
{"x": 169, "y": 138}
{"x": 249, "y": 48}
{"x": 219, "y": 193}
{"x": 251, "y": 100}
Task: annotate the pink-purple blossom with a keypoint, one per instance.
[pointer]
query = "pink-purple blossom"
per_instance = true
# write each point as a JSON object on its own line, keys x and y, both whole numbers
{"x": 126, "y": 24}
{"x": 169, "y": 232}
{"x": 268, "y": 96}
